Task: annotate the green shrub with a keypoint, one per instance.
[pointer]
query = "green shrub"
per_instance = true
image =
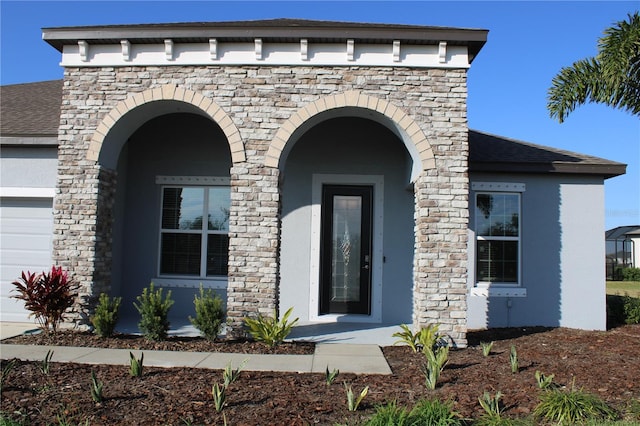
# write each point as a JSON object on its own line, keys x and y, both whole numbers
{"x": 105, "y": 318}
{"x": 389, "y": 415}
{"x": 567, "y": 407}
{"x": 210, "y": 313}
{"x": 631, "y": 309}
{"x": 46, "y": 295}
{"x": 268, "y": 329}
{"x": 434, "y": 412}
{"x": 154, "y": 313}
{"x": 630, "y": 274}
{"x": 426, "y": 412}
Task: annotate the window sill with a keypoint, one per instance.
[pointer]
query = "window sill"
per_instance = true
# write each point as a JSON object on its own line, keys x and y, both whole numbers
{"x": 499, "y": 291}
{"x": 216, "y": 283}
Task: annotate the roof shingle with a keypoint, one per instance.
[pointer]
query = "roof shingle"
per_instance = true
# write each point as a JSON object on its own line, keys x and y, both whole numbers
{"x": 30, "y": 109}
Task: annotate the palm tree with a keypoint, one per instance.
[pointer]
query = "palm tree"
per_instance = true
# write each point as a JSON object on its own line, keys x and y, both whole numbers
{"x": 612, "y": 77}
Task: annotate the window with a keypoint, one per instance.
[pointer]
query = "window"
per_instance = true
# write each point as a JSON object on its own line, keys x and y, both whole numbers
{"x": 497, "y": 217}
{"x": 190, "y": 245}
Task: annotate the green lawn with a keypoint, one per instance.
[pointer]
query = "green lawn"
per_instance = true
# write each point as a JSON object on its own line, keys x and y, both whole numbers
{"x": 632, "y": 288}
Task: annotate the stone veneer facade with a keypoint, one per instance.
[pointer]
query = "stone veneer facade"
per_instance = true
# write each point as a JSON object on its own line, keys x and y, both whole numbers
{"x": 258, "y": 108}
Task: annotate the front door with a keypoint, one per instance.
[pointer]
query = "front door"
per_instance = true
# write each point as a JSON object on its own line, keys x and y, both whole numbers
{"x": 345, "y": 249}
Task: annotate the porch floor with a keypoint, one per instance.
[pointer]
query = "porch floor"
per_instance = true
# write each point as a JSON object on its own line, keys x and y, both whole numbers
{"x": 352, "y": 333}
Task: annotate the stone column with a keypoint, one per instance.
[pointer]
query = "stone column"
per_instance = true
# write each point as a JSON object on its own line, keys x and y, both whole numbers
{"x": 253, "y": 243}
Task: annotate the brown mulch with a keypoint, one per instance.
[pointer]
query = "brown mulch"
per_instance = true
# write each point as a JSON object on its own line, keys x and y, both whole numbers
{"x": 602, "y": 363}
{"x": 172, "y": 343}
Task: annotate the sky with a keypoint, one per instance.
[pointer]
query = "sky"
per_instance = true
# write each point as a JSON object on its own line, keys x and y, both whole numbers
{"x": 528, "y": 44}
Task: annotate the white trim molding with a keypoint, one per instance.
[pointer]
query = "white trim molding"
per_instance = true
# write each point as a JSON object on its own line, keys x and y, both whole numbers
{"x": 27, "y": 192}
{"x": 499, "y": 291}
{"x": 193, "y": 180}
{"x": 260, "y": 52}
{"x": 216, "y": 283}
{"x": 377, "y": 181}
{"x": 498, "y": 186}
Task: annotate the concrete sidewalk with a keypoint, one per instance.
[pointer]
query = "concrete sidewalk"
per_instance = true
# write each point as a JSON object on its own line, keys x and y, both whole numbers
{"x": 348, "y": 358}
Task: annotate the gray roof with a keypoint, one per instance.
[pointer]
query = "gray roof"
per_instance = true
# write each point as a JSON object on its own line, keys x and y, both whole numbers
{"x": 30, "y": 109}
{"x": 271, "y": 30}
{"x": 492, "y": 153}
{"x": 621, "y": 232}
{"x": 33, "y": 109}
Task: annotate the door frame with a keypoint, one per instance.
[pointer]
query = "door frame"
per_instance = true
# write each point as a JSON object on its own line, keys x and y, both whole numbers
{"x": 377, "y": 181}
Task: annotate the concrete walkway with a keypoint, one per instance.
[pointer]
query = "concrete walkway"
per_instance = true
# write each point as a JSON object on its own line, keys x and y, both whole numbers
{"x": 348, "y": 358}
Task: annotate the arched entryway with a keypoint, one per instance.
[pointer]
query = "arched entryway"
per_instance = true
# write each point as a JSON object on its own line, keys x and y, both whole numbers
{"x": 168, "y": 152}
{"x": 172, "y": 211}
{"x": 347, "y": 233}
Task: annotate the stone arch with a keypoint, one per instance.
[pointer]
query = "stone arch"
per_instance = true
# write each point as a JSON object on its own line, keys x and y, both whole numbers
{"x": 171, "y": 93}
{"x": 397, "y": 120}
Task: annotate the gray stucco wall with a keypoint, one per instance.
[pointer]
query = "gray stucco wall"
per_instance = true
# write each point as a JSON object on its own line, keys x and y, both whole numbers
{"x": 348, "y": 146}
{"x": 562, "y": 251}
{"x": 34, "y": 167}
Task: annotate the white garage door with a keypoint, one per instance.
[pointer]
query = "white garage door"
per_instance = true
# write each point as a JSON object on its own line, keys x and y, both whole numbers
{"x": 26, "y": 229}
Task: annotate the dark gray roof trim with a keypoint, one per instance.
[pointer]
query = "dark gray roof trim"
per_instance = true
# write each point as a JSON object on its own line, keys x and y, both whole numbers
{"x": 491, "y": 153}
{"x": 620, "y": 232}
{"x": 281, "y": 30}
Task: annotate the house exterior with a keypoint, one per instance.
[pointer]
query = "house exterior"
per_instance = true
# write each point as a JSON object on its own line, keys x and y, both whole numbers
{"x": 622, "y": 245}
{"x": 29, "y": 121}
{"x": 337, "y": 173}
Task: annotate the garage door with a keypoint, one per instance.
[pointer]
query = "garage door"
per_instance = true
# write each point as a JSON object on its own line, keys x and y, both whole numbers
{"x": 26, "y": 229}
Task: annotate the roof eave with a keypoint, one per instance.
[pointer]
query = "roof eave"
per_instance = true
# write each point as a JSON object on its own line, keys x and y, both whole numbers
{"x": 605, "y": 170}
{"x": 473, "y": 38}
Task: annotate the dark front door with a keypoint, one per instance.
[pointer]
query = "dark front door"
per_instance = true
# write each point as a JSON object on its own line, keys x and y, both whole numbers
{"x": 345, "y": 254}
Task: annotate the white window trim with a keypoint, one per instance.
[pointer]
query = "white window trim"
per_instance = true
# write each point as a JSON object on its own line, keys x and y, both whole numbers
{"x": 498, "y": 289}
{"x": 185, "y": 281}
{"x": 377, "y": 181}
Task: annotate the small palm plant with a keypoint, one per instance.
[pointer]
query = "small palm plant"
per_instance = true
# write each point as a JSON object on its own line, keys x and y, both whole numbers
{"x": 96, "y": 388}
{"x": 353, "y": 402}
{"x": 45, "y": 365}
{"x": 434, "y": 364}
{"x": 492, "y": 408}
{"x": 269, "y": 330}
{"x": 422, "y": 340}
{"x": 513, "y": 360}
{"x": 486, "y": 348}
{"x": 136, "y": 365}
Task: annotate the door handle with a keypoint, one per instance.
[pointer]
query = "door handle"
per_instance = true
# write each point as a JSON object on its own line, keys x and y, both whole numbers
{"x": 366, "y": 262}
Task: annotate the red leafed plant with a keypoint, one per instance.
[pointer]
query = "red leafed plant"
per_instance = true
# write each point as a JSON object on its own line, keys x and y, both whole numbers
{"x": 46, "y": 295}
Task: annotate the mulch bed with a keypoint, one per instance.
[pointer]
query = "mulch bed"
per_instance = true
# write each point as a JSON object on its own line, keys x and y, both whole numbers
{"x": 601, "y": 363}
